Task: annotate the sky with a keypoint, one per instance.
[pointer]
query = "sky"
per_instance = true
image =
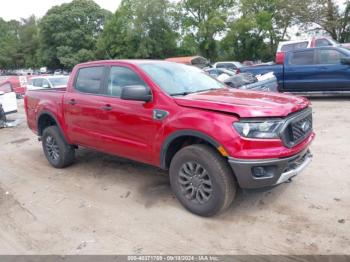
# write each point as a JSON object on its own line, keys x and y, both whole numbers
{"x": 17, "y": 9}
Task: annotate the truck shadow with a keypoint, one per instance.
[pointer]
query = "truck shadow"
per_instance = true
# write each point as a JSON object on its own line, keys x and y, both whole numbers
{"x": 329, "y": 99}
{"x": 151, "y": 185}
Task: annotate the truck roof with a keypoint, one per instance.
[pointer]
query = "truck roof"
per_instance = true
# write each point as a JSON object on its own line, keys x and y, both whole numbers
{"x": 127, "y": 61}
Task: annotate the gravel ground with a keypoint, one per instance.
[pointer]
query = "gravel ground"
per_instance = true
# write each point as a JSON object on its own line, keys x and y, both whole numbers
{"x": 108, "y": 205}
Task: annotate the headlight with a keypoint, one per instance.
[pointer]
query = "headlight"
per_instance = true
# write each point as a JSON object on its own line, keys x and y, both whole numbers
{"x": 266, "y": 129}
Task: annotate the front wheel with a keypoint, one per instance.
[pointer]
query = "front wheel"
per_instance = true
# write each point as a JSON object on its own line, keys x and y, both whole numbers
{"x": 202, "y": 180}
{"x": 57, "y": 151}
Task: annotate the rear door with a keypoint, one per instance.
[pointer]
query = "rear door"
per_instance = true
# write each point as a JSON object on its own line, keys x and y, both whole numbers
{"x": 83, "y": 107}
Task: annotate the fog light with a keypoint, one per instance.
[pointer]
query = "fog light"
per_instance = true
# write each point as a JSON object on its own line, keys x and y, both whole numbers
{"x": 259, "y": 171}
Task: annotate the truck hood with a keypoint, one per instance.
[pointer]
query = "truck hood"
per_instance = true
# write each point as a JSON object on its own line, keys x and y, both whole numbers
{"x": 245, "y": 103}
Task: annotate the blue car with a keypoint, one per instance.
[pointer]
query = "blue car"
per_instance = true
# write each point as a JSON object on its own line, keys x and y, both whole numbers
{"x": 311, "y": 71}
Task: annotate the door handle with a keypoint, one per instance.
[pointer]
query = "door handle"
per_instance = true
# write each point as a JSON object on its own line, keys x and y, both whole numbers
{"x": 72, "y": 102}
{"x": 107, "y": 107}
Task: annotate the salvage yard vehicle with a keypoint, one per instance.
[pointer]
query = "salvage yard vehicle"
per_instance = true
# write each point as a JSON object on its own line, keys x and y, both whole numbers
{"x": 212, "y": 139}
{"x": 197, "y": 61}
{"x": 8, "y": 99}
{"x": 220, "y": 74}
{"x": 41, "y": 82}
{"x": 234, "y": 66}
{"x": 286, "y": 46}
{"x": 8, "y": 105}
{"x": 16, "y": 83}
{"x": 246, "y": 81}
{"x": 311, "y": 71}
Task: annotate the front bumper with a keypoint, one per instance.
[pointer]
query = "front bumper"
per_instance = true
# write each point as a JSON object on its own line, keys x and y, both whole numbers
{"x": 270, "y": 172}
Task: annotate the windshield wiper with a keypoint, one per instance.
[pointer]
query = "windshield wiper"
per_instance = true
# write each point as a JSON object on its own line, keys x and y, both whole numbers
{"x": 185, "y": 93}
{"x": 181, "y": 94}
{"x": 205, "y": 90}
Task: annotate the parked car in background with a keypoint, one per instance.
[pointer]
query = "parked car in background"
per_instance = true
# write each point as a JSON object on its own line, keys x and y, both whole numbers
{"x": 173, "y": 116}
{"x": 43, "y": 82}
{"x": 58, "y": 72}
{"x": 311, "y": 71}
{"x": 246, "y": 81}
{"x": 219, "y": 73}
{"x": 16, "y": 83}
{"x": 286, "y": 46}
{"x": 8, "y": 100}
{"x": 197, "y": 61}
{"x": 229, "y": 65}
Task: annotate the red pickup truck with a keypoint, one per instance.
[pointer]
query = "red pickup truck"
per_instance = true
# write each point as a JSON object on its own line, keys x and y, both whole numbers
{"x": 211, "y": 139}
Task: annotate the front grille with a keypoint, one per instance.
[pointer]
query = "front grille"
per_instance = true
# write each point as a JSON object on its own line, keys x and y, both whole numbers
{"x": 301, "y": 127}
{"x": 297, "y": 128}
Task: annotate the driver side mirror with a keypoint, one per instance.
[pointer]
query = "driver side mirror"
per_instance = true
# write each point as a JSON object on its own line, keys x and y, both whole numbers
{"x": 46, "y": 86}
{"x": 2, "y": 93}
{"x": 345, "y": 60}
{"x": 136, "y": 93}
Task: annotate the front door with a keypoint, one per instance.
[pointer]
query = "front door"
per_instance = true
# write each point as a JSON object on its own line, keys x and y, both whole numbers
{"x": 334, "y": 76}
{"x": 128, "y": 126}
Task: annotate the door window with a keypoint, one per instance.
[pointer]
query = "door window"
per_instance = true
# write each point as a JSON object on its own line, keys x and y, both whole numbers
{"x": 120, "y": 77}
{"x": 322, "y": 42}
{"x": 38, "y": 82}
{"x": 213, "y": 72}
{"x": 329, "y": 56}
{"x": 89, "y": 80}
{"x": 45, "y": 84}
{"x": 294, "y": 46}
{"x": 302, "y": 58}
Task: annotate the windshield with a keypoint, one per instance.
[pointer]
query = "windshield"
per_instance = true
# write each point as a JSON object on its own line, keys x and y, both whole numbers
{"x": 179, "y": 79}
{"x": 334, "y": 41}
{"x": 59, "y": 81}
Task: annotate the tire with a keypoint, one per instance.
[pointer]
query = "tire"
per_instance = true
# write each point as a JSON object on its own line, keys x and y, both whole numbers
{"x": 57, "y": 151}
{"x": 202, "y": 180}
{"x": 2, "y": 117}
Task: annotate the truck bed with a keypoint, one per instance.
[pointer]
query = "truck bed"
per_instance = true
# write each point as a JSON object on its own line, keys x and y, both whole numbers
{"x": 52, "y": 98}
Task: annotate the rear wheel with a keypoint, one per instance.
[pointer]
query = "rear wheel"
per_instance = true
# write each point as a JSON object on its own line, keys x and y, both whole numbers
{"x": 202, "y": 180}
{"x": 57, "y": 151}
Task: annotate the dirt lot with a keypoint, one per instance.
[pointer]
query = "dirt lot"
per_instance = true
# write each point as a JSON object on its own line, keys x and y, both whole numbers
{"x": 107, "y": 205}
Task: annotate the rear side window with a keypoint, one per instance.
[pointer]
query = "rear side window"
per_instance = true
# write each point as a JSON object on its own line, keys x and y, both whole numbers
{"x": 294, "y": 46}
{"x": 120, "y": 77}
{"x": 302, "y": 58}
{"x": 89, "y": 80}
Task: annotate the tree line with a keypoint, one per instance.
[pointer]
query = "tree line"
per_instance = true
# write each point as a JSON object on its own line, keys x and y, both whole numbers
{"x": 240, "y": 30}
